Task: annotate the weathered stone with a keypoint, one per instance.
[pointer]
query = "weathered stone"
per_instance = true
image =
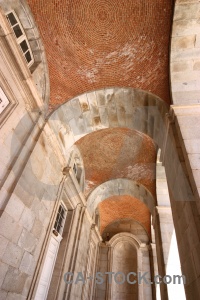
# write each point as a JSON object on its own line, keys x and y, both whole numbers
{"x": 27, "y": 219}
{"x": 197, "y": 65}
{"x": 3, "y": 295}
{"x": 13, "y": 255}
{"x": 26, "y": 262}
{"x": 14, "y": 281}
{"x": 36, "y": 230}
{"x": 181, "y": 66}
{"x": 27, "y": 241}
{"x": 3, "y": 271}
{"x": 15, "y": 207}
{"x": 186, "y": 11}
{"x": 27, "y": 286}
{"x": 183, "y": 42}
{"x": 14, "y": 296}
{"x": 7, "y": 226}
{"x": 3, "y": 245}
{"x": 189, "y": 127}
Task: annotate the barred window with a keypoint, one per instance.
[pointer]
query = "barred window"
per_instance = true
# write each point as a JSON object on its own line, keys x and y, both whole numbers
{"x": 60, "y": 219}
{"x": 20, "y": 37}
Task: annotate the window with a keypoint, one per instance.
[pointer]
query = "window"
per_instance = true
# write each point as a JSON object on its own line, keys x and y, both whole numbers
{"x": 8, "y": 101}
{"x": 60, "y": 219}
{"x": 75, "y": 169}
{"x": 20, "y": 37}
{"x": 4, "y": 102}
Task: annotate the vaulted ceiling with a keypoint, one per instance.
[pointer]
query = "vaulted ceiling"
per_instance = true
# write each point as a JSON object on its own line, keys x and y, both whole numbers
{"x": 124, "y": 207}
{"x": 118, "y": 153}
{"x": 92, "y": 44}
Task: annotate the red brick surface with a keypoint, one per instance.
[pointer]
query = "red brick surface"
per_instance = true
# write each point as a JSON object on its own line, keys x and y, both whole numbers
{"x": 118, "y": 153}
{"x": 91, "y": 44}
{"x": 127, "y": 207}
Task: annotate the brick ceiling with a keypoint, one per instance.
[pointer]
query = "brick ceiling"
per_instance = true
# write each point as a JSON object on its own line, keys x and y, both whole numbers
{"x": 123, "y": 207}
{"x": 118, "y": 153}
{"x": 92, "y": 44}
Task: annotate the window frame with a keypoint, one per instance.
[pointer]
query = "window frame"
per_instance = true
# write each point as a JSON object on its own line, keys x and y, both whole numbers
{"x": 13, "y": 102}
{"x": 22, "y": 38}
{"x": 3, "y": 97}
{"x": 59, "y": 231}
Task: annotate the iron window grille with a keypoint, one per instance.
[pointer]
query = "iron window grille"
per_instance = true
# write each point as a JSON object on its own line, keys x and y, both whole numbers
{"x": 20, "y": 37}
{"x": 60, "y": 219}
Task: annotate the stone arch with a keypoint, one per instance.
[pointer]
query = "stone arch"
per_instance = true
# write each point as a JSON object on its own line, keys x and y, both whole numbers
{"x": 142, "y": 254}
{"x": 124, "y": 260}
{"x": 124, "y": 207}
{"x": 134, "y": 109}
{"x": 109, "y": 108}
{"x": 126, "y": 237}
{"x": 126, "y": 225}
{"x": 121, "y": 186}
{"x": 118, "y": 107}
{"x": 113, "y": 153}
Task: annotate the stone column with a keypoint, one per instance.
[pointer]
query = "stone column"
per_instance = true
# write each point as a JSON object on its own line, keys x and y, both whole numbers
{"x": 145, "y": 293}
{"x": 183, "y": 134}
{"x": 102, "y": 266}
{"x": 154, "y": 271}
{"x": 166, "y": 243}
{"x": 170, "y": 253}
{"x": 159, "y": 254}
{"x": 69, "y": 265}
{"x": 89, "y": 287}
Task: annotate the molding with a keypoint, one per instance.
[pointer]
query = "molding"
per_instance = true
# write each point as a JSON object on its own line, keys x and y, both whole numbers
{"x": 125, "y": 236}
{"x": 53, "y": 142}
{"x": 136, "y": 243}
{"x": 96, "y": 232}
{"x": 17, "y": 67}
{"x": 44, "y": 248}
{"x": 130, "y": 187}
{"x": 11, "y": 97}
{"x": 169, "y": 118}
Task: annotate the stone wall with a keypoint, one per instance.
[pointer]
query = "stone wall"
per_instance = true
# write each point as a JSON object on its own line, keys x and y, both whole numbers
{"x": 25, "y": 219}
{"x": 126, "y": 225}
{"x": 125, "y": 260}
{"x": 31, "y": 172}
{"x": 184, "y": 129}
{"x": 185, "y": 53}
{"x": 39, "y": 69}
{"x": 184, "y": 203}
{"x": 102, "y": 266}
{"x": 112, "y": 258}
